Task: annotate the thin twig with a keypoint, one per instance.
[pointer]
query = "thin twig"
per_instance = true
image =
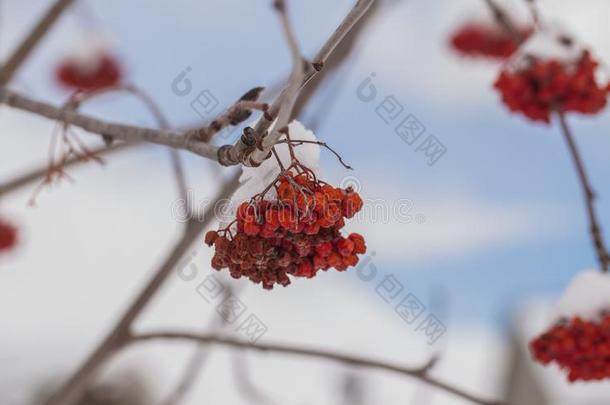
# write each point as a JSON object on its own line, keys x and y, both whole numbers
{"x": 589, "y": 195}
{"x": 163, "y": 123}
{"x": 505, "y": 21}
{"x": 128, "y": 133}
{"x": 24, "y": 49}
{"x": 242, "y": 151}
{"x": 31, "y": 176}
{"x": 419, "y": 373}
{"x": 121, "y": 332}
{"x": 236, "y": 114}
{"x": 290, "y": 96}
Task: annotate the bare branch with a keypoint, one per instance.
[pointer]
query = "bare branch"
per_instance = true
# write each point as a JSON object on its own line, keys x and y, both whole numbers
{"x": 340, "y": 55}
{"x": 505, "y": 21}
{"x": 589, "y": 195}
{"x": 128, "y": 133}
{"x": 121, "y": 332}
{"x": 73, "y": 104}
{"x": 24, "y": 50}
{"x": 236, "y": 114}
{"x": 420, "y": 373}
{"x": 197, "y": 361}
{"x": 245, "y": 151}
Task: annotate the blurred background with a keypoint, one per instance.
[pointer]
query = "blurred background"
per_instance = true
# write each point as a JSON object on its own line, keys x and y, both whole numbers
{"x": 484, "y": 237}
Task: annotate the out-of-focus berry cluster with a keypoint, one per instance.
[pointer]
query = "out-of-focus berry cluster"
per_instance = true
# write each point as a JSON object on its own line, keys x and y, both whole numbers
{"x": 542, "y": 86}
{"x": 580, "y": 347}
{"x": 8, "y": 236}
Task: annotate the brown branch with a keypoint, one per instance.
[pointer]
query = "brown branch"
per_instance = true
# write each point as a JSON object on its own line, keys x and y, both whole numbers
{"x": 244, "y": 151}
{"x": 505, "y": 21}
{"x": 120, "y": 334}
{"x": 297, "y": 142}
{"x": 24, "y": 50}
{"x": 419, "y": 373}
{"x": 236, "y": 114}
{"x": 73, "y": 104}
{"x": 128, "y": 133}
{"x": 589, "y": 195}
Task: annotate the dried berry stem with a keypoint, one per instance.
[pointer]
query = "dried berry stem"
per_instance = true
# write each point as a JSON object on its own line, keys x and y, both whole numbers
{"x": 297, "y": 142}
{"x": 420, "y": 373}
{"x": 589, "y": 195}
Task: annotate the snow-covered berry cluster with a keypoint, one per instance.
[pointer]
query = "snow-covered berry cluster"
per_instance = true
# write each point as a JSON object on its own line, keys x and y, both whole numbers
{"x": 581, "y": 347}
{"x": 296, "y": 233}
{"x": 8, "y": 236}
{"x": 485, "y": 40}
{"x": 540, "y": 86}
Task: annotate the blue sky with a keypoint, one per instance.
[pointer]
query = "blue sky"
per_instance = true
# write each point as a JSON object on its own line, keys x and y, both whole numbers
{"x": 497, "y": 164}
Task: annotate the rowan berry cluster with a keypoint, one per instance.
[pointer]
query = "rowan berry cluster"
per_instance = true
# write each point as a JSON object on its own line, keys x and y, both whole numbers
{"x": 478, "y": 39}
{"x": 542, "y": 86}
{"x": 8, "y": 236}
{"x": 297, "y": 233}
{"x": 580, "y": 347}
{"x": 104, "y": 72}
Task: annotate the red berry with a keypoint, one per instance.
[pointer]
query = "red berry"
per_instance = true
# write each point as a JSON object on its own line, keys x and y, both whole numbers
{"x": 305, "y": 269}
{"x": 210, "y": 237}
{"x": 251, "y": 228}
{"x": 324, "y": 249}
{"x": 345, "y": 247}
{"x": 352, "y": 203}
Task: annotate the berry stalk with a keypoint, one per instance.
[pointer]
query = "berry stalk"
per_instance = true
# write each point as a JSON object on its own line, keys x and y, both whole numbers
{"x": 589, "y": 195}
